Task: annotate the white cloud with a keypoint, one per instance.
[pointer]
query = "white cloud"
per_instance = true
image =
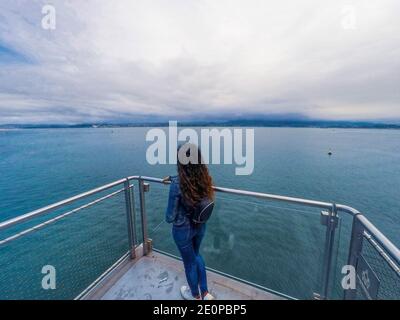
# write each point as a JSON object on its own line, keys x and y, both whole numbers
{"x": 118, "y": 59}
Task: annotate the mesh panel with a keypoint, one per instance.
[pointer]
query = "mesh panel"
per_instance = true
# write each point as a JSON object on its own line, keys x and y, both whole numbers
{"x": 80, "y": 247}
{"x": 389, "y": 287}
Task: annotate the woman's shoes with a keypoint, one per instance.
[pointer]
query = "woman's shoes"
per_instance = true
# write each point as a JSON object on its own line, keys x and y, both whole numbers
{"x": 187, "y": 294}
{"x": 208, "y": 296}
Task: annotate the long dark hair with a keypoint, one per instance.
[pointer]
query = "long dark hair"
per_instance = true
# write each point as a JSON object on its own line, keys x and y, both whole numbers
{"x": 194, "y": 179}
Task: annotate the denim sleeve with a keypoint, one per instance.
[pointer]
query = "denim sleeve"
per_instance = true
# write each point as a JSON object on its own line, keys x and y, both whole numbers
{"x": 173, "y": 202}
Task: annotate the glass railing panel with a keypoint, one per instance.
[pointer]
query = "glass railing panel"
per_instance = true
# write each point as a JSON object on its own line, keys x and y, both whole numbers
{"x": 159, "y": 230}
{"x": 274, "y": 245}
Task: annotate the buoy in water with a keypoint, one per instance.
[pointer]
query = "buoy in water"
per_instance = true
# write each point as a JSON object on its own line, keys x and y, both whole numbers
{"x": 329, "y": 153}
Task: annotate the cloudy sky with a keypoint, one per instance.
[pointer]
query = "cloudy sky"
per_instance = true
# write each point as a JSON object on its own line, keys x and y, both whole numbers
{"x": 125, "y": 59}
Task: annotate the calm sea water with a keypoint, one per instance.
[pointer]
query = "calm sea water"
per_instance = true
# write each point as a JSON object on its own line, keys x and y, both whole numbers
{"x": 268, "y": 243}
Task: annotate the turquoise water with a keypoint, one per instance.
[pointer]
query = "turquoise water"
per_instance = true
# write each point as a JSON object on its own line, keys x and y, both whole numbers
{"x": 271, "y": 244}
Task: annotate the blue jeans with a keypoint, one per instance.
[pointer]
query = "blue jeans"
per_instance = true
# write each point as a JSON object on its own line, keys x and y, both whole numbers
{"x": 188, "y": 239}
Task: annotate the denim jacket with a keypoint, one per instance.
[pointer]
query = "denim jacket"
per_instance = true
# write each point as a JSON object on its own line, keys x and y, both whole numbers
{"x": 176, "y": 212}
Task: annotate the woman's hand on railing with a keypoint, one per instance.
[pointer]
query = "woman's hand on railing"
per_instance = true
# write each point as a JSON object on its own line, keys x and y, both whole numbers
{"x": 166, "y": 180}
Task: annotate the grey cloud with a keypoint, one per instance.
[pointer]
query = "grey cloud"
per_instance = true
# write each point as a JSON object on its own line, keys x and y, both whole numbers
{"x": 116, "y": 60}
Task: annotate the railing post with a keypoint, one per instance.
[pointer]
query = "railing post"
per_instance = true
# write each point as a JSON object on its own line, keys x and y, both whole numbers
{"x": 330, "y": 219}
{"x": 146, "y": 240}
{"x": 130, "y": 217}
{"x": 356, "y": 243}
{"x": 132, "y": 198}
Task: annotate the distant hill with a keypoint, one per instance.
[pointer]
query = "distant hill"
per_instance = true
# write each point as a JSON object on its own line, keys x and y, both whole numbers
{"x": 219, "y": 123}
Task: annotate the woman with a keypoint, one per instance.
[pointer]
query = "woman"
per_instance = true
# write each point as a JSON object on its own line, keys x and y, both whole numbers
{"x": 192, "y": 184}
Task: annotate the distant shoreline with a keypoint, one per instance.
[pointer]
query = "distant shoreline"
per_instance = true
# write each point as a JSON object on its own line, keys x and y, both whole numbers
{"x": 195, "y": 126}
{"x": 227, "y": 123}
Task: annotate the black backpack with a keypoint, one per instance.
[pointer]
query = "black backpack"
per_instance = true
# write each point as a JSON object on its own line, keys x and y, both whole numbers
{"x": 201, "y": 212}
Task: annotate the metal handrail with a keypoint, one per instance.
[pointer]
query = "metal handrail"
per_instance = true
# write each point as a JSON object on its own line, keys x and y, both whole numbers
{"x": 382, "y": 253}
{"x": 301, "y": 201}
{"x": 57, "y": 205}
{"x": 61, "y": 216}
{"x": 381, "y": 238}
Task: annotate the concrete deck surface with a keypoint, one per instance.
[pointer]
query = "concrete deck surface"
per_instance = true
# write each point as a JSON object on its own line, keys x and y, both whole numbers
{"x": 159, "y": 277}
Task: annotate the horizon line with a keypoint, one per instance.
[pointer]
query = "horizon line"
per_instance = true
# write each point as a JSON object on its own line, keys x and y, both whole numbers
{"x": 227, "y": 122}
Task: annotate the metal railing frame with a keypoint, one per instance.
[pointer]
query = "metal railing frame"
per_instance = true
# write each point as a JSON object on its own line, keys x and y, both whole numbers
{"x": 361, "y": 224}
